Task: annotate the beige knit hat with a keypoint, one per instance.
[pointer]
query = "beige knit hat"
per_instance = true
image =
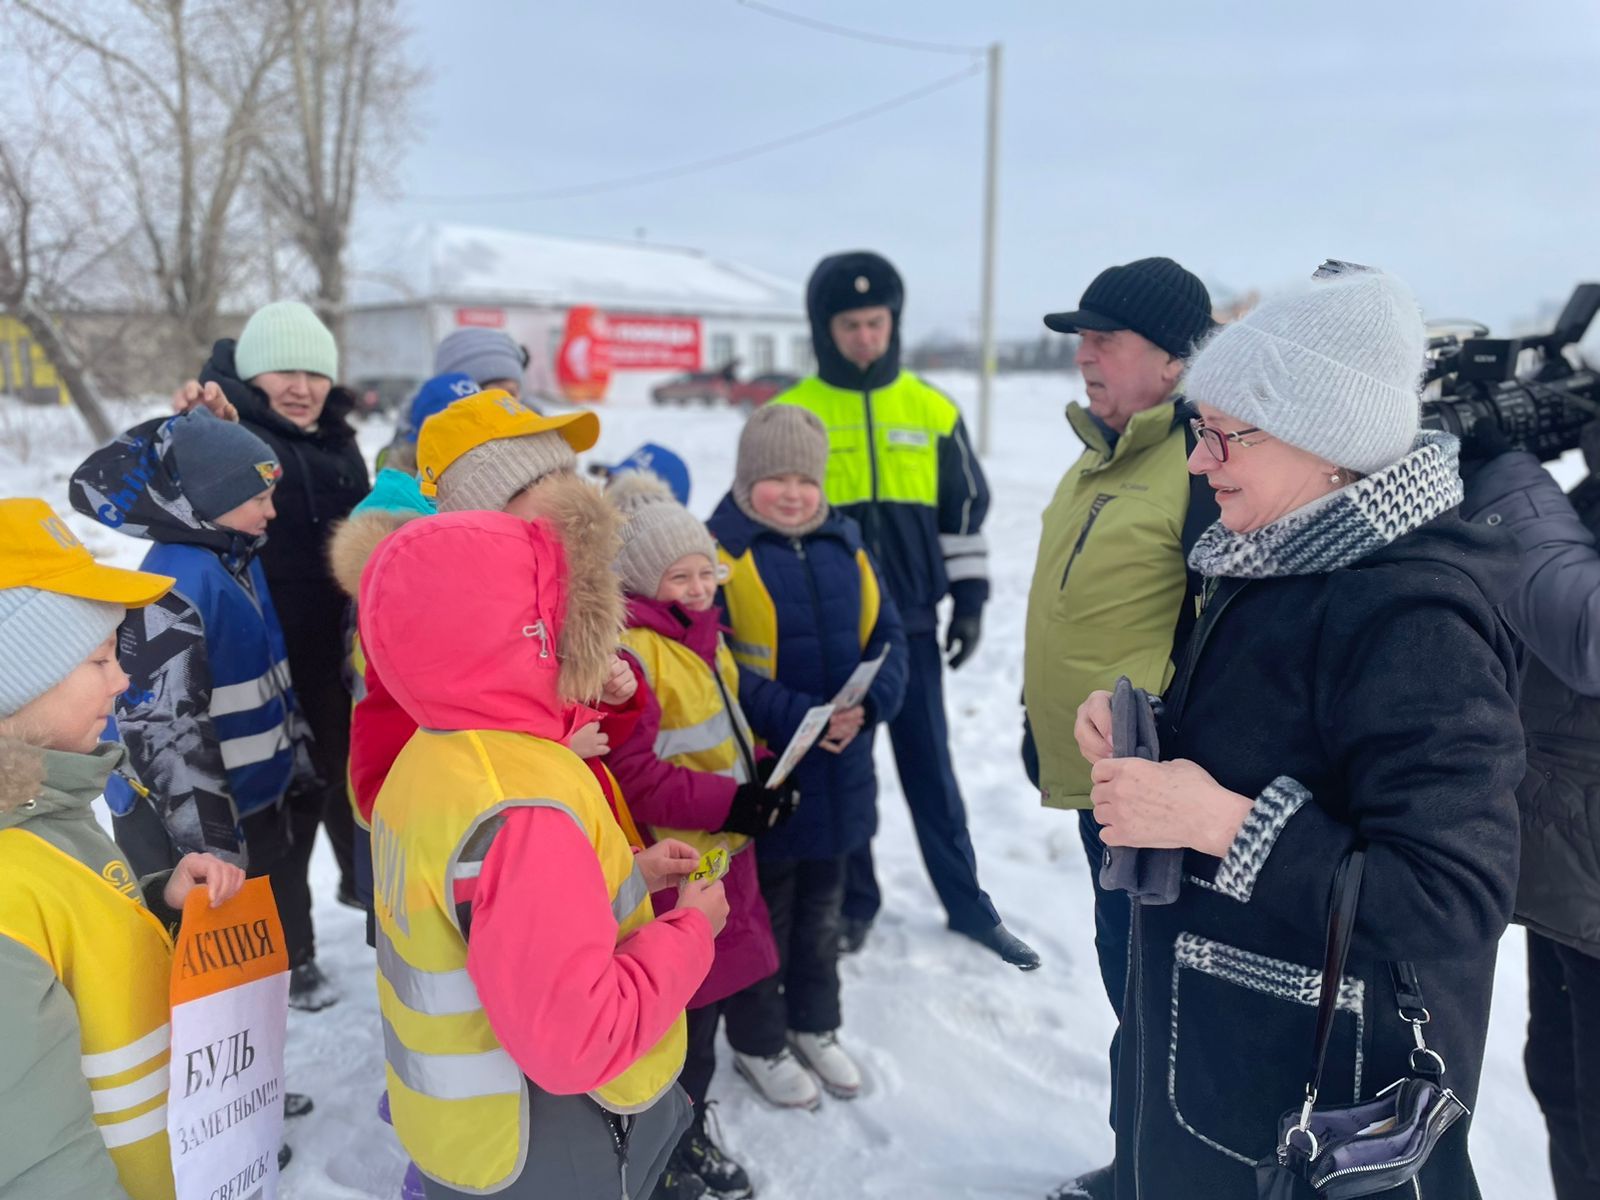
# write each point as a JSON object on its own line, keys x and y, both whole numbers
{"x": 486, "y": 477}
{"x": 781, "y": 439}
{"x": 659, "y": 531}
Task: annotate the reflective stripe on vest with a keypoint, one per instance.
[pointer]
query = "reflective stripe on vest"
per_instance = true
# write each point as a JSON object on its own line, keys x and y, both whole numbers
{"x": 695, "y": 739}
{"x": 451, "y": 1076}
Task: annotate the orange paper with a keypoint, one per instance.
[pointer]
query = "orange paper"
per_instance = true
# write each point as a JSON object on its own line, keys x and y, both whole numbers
{"x": 219, "y": 948}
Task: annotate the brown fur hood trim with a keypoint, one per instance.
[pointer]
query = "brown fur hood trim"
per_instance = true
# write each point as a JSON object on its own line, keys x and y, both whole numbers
{"x": 21, "y": 773}
{"x": 591, "y": 533}
{"x": 355, "y": 540}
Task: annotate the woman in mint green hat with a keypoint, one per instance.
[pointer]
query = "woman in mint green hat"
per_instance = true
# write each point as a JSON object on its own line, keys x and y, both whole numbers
{"x": 280, "y": 376}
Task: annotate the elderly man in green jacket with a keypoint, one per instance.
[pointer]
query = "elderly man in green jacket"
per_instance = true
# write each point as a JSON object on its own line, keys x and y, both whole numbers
{"x": 1112, "y": 594}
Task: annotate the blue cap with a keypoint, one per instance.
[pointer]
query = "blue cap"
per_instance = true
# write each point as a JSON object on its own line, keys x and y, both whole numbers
{"x": 666, "y": 465}
{"x": 433, "y": 397}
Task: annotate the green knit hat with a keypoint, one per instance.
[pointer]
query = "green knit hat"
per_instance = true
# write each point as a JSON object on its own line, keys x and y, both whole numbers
{"x": 285, "y": 336}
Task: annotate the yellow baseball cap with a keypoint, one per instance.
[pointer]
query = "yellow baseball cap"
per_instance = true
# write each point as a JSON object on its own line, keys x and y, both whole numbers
{"x": 39, "y": 550}
{"x": 488, "y": 417}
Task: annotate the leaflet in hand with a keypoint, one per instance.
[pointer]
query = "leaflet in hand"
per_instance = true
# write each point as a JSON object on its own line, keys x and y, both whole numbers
{"x": 855, "y": 688}
{"x": 811, "y": 728}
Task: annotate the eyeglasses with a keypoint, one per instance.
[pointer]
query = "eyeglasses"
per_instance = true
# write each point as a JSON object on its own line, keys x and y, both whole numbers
{"x": 1217, "y": 442}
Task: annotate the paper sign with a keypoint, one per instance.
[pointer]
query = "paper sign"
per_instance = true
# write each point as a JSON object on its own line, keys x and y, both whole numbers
{"x": 230, "y": 1009}
{"x": 811, "y": 728}
{"x": 855, "y": 688}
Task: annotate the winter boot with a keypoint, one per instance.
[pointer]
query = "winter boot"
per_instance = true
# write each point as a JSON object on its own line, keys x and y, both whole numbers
{"x": 698, "y": 1153}
{"x": 411, "y": 1186}
{"x": 677, "y": 1184}
{"x": 284, "y": 1155}
{"x": 823, "y": 1054}
{"x": 1007, "y": 945}
{"x": 1098, "y": 1184}
{"x": 297, "y": 1104}
{"x": 853, "y": 934}
{"x": 780, "y": 1079}
{"x": 309, "y": 989}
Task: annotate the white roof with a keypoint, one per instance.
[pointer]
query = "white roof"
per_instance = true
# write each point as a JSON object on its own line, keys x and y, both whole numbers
{"x": 471, "y": 265}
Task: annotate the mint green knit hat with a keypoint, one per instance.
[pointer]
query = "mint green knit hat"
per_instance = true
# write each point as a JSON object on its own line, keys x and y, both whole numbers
{"x": 285, "y": 336}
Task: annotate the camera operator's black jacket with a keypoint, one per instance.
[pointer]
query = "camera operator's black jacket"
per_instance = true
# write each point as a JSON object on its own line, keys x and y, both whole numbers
{"x": 1353, "y": 677}
{"x": 1555, "y": 610}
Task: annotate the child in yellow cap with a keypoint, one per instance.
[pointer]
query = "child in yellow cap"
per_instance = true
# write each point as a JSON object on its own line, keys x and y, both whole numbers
{"x": 85, "y": 949}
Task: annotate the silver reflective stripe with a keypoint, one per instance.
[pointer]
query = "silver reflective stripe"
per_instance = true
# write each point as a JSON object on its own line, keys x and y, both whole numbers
{"x": 252, "y": 693}
{"x": 630, "y": 895}
{"x": 749, "y": 649}
{"x": 253, "y": 748}
{"x": 966, "y": 567}
{"x": 130, "y": 1095}
{"x": 433, "y": 993}
{"x": 692, "y": 739}
{"x": 952, "y": 544}
{"x": 451, "y": 1076}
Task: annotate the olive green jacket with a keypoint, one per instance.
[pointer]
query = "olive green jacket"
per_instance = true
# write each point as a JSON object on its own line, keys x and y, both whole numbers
{"x": 1110, "y": 583}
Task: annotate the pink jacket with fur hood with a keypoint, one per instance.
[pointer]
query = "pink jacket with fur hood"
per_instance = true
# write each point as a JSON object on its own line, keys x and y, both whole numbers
{"x": 572, "y": 1005}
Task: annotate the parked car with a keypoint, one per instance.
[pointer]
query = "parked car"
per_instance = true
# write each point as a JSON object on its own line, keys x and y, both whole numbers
{"x": 755, "y": 392}
{"x": 704, "y": 387}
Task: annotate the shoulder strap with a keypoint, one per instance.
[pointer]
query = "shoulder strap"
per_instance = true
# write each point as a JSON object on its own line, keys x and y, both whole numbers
{"x": 1341, "y": 928}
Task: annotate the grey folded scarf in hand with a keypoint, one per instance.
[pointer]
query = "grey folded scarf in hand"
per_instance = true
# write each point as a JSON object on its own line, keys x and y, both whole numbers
{"x": 1149, "y": 876}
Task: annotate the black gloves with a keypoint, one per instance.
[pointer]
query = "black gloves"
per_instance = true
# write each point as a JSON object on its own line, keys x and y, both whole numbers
{"x": 758, "y": 808}
{"x": 1483, "y": 442}
{"x": 962, "y": 637}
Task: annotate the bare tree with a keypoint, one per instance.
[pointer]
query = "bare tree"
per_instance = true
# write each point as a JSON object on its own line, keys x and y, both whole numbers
{"x": 39, "y": 244}
{"x": 172, "y": 103}
{"x": 349, "y": 95}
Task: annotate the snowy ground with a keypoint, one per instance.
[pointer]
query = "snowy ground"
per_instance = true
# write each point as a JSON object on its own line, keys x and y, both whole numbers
{"x": 984, "y": 1082}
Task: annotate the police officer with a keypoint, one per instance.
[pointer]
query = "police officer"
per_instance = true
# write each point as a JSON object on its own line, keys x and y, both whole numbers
{"x": 901, "y": 464}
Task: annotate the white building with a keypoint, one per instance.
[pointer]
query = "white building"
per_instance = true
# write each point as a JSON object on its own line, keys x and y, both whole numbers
{"x": 670, "y": 310}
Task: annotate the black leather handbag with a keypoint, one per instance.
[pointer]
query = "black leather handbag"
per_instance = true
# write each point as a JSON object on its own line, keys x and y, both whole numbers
{"x": 1370, "y": 1147}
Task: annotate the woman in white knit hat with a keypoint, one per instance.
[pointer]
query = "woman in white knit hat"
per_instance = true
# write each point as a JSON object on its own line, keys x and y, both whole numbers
{"x": 1347, "y": 687}
{"x": 279, "y": 376}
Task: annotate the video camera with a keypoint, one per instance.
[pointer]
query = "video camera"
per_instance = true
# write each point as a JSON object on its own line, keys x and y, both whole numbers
{"x": 1477, "y": 375}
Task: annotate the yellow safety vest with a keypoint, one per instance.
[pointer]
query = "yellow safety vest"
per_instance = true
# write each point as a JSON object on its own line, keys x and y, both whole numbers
{"x": 882, "y": 445}
{"x": 459, "y": 1102}
{"x": 754, "y": 616}
{"x": 115, "y": 959}
{"x": 702, "y": 726}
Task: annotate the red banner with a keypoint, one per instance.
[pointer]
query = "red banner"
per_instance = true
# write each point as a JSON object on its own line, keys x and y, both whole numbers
{"x": 481, "y": 318}
{"x": 641, "y": 343}
{"x": 583, "y": 364}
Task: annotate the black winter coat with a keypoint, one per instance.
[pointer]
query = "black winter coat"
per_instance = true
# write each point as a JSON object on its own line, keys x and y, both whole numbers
{"x": 324, "y": 477}
{"x": 1555, "y": 610}
{"x": 1370, "y": 703}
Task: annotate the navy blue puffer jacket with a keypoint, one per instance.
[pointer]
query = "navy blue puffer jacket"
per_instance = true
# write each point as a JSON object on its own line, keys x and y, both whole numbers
{"x": 816, "y": 589}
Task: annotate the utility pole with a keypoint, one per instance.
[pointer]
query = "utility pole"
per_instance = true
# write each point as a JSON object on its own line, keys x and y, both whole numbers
{"x": 991, "y": 183}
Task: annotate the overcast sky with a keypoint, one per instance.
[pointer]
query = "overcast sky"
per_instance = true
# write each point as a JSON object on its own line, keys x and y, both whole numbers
{"x": 1453, "y": 143}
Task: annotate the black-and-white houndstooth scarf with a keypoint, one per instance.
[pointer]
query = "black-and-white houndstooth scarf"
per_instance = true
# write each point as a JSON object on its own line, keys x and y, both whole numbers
{"x": 1346, "y": 527}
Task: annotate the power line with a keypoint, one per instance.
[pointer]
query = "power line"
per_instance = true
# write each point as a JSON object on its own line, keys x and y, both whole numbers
{"x": 720, "y": 160}
{"x": 858, "y": 34}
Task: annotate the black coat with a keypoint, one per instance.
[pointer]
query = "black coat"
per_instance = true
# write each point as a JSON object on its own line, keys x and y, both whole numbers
{"x": 324, "y": 477}
{"x": 1373, "y": 702}
{"x": 1555, "y": 610}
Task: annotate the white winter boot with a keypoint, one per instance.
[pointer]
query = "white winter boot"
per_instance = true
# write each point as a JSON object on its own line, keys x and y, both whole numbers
{"x": 780, "y": 1079}
{"x": 823, "y": 1054}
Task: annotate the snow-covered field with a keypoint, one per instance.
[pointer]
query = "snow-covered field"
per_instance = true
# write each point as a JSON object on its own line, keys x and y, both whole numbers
{"x": 984, "y": 1082}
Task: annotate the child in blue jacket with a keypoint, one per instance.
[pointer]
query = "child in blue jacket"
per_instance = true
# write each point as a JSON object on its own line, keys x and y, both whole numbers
{"x": 210, "y": 720}
{"x": 805, "y": 606}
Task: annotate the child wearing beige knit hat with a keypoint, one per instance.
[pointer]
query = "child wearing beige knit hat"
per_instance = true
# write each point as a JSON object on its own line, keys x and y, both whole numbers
{"x": 806, "y": 608}
{"x": 691, "y": 769}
